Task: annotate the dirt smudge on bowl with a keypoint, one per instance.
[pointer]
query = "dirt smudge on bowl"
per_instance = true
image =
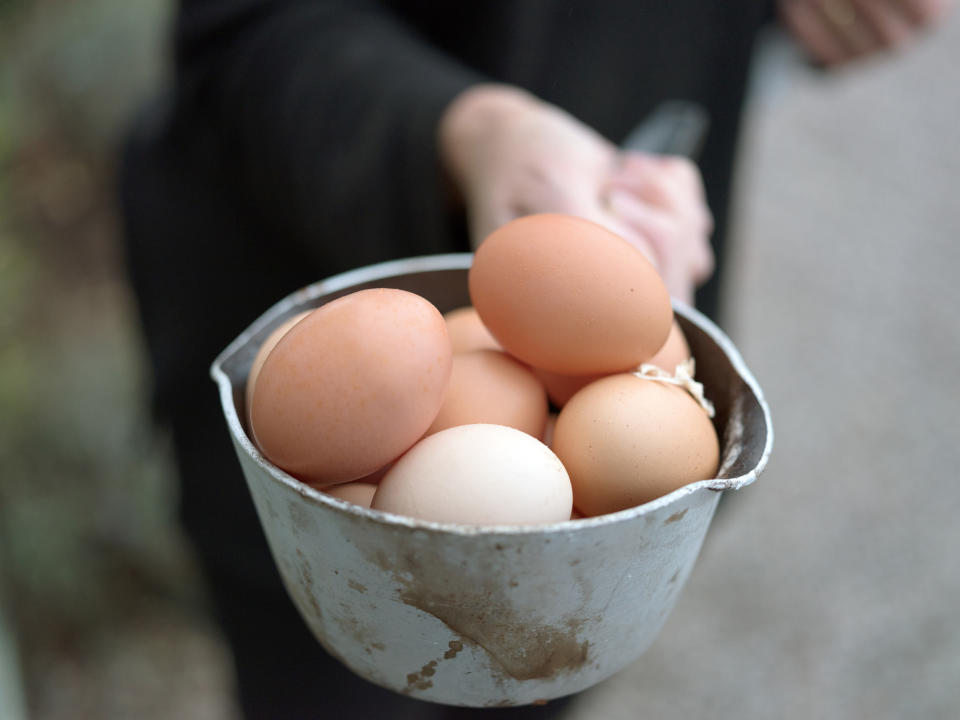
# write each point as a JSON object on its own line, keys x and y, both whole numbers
{"x": 476, "y": 604}
{"x": 420, "y": 680}
{"x": 455, "y": 647}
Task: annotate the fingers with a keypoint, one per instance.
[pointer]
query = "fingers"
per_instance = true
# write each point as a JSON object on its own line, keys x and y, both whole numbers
{"x": 670, "y": 182}
{"x": 539, "y": 159}
{"x": 837, "y": 31}
{"x": 890, "y": 26}
{"x": 684, "y": 256}
{"x": 922, "y": 12}
{"x": 823, "y": 34}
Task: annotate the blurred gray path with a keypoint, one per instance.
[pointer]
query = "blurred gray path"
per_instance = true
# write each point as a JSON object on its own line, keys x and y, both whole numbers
{"x": 830, "y": 588}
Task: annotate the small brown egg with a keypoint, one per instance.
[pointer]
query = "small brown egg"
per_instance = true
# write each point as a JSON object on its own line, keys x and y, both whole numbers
{"x": 478, "y": 475}
{"x": 271, "y": 342}
{"x": 467, "y": 331}
{"x": 376, "y": 476}
{"x": 489, "y": 386}
{"x": 674, "y": 351}
{"x": 352, "y": 386}
{"x": 627, "y": 440}
{"x": 358, "y": 493}
{"x": 548, "y": 429}
{"x": 560, "y": 388}
{"x": 567, "y": 295}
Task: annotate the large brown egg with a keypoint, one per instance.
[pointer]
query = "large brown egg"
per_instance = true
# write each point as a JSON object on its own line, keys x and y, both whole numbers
{"x": 566, "y": 295}
{"x": 489, "y": 386}
{"x": 352, "y": 386}
{"x": 626, "y": 440}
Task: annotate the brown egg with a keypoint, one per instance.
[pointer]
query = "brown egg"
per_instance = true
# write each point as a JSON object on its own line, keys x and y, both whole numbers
{"x": 674, "y": 351}
{"x": 478, "y": 475}
{"x": 627, "y": 440}
{"x": 467, "y": 331}
{"x": 489, "y": 386}
{"x": 548, "y": 429}
{"x": 261, "y": 356}
{"x": 352, "y": 386}
{"x": 560, "y": 388}
{"x": 566, "y": 295}
{"x": 358, "y": 493}
{"x": 376, "y": 476}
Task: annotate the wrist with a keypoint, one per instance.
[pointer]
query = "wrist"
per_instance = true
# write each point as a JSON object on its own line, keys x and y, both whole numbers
{"x": 471, "y": 122}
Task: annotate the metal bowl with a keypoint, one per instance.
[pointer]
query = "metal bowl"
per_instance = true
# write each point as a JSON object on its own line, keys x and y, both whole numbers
{"x": 488, "y": 616}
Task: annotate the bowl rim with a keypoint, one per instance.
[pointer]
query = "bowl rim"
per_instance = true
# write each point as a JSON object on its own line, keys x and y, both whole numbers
{"x": 463, "y": 261}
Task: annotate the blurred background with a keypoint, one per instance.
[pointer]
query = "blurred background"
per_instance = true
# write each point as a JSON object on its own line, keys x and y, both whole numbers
{"x": 827, "y": 590}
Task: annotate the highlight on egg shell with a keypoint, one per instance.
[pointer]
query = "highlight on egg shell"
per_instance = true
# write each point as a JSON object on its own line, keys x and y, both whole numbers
{"x": 567, "y": 295}
{"x": 478, "y": 475}
{"x": 626, "y": 440}
{"x": 352, "y": 386}
{"x": 489, "y": 386}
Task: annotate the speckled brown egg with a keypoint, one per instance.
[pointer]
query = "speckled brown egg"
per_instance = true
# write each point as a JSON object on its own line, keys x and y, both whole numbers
{"x": 489, "y": 386}
{"x": 352, "y": 386}
{"x": 567, "y": 295}
{"x": 626, "y": 440}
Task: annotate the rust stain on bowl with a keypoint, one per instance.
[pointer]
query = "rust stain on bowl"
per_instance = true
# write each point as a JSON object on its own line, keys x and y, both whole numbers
{"x": 304, "y": 587}
{"x": 420, "y": 680}
{"x": 522, "y": 650}
{"x": 455, "y": 647}
{"x": 482, "y": 615}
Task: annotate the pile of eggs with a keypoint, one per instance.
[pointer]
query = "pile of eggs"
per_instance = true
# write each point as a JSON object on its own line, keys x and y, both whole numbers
{"x": 522, "y": 409}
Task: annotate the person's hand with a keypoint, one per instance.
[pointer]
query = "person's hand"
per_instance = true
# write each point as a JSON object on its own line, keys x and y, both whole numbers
{"x": 838, "y": 31}
{"x": 509, "y": 154}
{"x": 662, "y": 198}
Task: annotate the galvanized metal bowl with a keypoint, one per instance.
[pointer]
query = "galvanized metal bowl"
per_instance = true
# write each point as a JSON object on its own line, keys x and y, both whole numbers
{"x": 487, "y": 616}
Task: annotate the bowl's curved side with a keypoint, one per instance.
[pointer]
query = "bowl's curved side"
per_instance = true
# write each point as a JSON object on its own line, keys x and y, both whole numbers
{"x": 489, "y": 619}
{"x": 742, "y": 413}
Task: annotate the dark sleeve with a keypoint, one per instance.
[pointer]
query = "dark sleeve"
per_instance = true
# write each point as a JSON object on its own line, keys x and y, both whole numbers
{"x": 326, "y": 113}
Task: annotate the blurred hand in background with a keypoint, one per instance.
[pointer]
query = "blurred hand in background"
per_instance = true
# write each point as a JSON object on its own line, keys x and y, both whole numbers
{"x": 835, "y": 32}
{"x": 510, "y": 154}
